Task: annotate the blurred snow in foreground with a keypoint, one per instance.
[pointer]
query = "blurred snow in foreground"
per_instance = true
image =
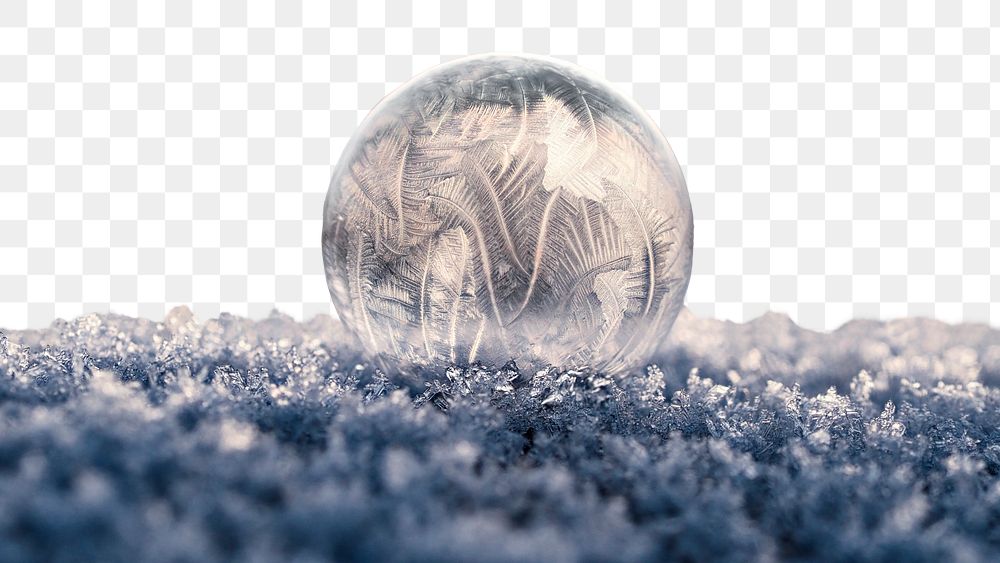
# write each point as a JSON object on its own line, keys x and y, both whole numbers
{"x": 124, "y": 440}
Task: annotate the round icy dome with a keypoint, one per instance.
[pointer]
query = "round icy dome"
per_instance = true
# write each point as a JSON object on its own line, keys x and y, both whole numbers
{"x": 500, "y": 208}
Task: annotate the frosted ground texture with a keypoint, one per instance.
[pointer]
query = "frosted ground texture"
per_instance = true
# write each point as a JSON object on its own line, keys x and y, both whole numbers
{"x": 125, "y": 439}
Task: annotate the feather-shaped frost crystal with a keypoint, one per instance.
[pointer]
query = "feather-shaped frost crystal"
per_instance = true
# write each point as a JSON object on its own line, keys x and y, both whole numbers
{"x": 508, "y": 207}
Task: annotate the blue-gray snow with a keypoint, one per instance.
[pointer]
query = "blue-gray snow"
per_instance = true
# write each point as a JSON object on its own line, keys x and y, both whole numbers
{"x": 123, "y": 439}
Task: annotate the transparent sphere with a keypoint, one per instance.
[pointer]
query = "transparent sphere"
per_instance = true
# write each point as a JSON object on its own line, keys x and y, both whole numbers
{"x": 499, "y": 208}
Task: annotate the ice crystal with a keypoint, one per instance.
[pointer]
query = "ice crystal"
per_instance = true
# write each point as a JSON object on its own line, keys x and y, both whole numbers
{"x": 128, "y": 440}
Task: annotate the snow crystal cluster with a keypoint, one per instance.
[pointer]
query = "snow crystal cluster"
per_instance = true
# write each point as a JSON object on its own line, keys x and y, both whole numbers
{"x": 128, "y": 440}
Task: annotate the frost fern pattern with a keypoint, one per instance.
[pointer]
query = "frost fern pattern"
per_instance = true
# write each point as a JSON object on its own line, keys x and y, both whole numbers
{"x": 500, "y": 208}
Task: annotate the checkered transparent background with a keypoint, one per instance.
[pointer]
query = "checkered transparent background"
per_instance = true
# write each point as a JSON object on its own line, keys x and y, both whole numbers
{"x": 838, "y": 157}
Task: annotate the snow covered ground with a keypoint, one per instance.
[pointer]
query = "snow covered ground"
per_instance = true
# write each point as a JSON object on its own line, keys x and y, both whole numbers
{"x": 124, "y": 439}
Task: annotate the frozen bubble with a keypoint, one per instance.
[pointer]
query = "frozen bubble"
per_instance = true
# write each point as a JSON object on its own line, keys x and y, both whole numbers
{"x": 508, "y": 207}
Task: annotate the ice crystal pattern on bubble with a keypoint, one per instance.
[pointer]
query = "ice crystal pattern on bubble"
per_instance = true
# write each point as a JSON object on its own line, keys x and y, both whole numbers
{"x": 506, "y": 207}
